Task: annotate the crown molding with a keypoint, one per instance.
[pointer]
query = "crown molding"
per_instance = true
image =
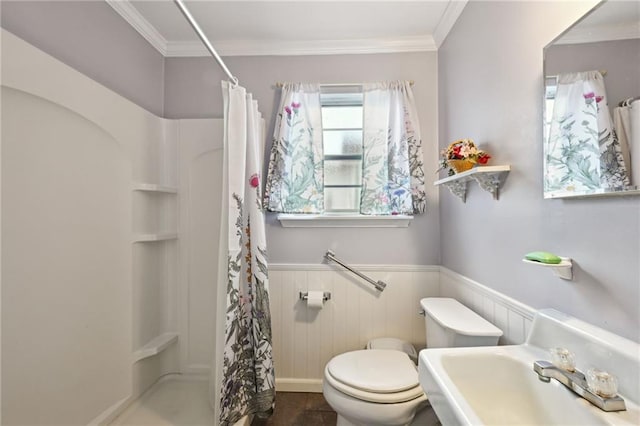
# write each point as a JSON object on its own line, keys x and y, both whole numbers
{"x": 451, "y": 14}
{"x": 593, "y": 35}
{"x": 130, "y": 14}
{"x": 296, "y": 47}
{"x": 288, "y": 47}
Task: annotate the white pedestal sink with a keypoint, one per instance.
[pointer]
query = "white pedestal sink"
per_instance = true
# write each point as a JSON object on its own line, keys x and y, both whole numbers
{"x": 497, "y": 385}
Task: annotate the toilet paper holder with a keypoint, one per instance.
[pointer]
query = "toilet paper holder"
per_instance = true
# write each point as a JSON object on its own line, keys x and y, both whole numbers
{"x": 325, "y": 296}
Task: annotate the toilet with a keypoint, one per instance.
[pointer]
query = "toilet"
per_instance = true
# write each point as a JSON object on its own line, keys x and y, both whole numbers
{"x": 379, "y": 385}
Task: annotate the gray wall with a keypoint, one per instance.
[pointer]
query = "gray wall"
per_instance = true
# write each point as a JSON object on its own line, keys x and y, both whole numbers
{"x": 620, "y": 58}
{"x": 490, "y": 89}
{"x": 193, "y": 90}
{"x": 92, "y": 38}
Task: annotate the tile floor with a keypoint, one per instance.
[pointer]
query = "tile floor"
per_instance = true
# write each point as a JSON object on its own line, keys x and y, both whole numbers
{"x": 299, "y": 409}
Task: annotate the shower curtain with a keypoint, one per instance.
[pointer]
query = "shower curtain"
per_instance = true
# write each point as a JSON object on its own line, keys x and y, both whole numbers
{"x": 248, "y": 383}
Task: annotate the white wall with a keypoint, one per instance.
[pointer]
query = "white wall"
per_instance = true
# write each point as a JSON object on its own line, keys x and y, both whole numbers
{"x": 200, "y": 165}
{"x": 490, "y": 89}
{"x": 72, "y": 151}
{"x": 66, "y": 264}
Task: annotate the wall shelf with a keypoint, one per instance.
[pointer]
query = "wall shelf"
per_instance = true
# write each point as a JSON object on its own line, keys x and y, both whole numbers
{"x": 146, "y": 238}
{"x": 151, "y": 187}
{"x": 489, "y": 178}
{"x": 563, "y": 270}
{"x": 155, "y": 346}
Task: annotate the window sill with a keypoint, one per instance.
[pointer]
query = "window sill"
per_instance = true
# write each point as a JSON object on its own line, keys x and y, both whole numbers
{"x": 343, "y": 221}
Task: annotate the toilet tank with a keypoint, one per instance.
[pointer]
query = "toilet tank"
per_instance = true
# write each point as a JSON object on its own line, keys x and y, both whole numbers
{"x": 450, "y": 324}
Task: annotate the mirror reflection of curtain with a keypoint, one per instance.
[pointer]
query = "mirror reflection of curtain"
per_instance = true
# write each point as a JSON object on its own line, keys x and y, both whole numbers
{"x": 582, "y": 151}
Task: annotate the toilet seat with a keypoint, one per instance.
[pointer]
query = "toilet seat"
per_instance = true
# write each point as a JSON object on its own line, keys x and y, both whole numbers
{"x": 376, "y": 375}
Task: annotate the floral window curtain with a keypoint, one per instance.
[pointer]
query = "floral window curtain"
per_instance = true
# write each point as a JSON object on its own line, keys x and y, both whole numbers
{"x": 248, "y": 384}
{"x": 393, "y": 171}
{"x": 582, "y": 151}
{"x": 295, "y": 179}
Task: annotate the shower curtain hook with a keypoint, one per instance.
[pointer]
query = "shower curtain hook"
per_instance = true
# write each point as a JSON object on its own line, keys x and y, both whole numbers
{"x": 234, "y": 82}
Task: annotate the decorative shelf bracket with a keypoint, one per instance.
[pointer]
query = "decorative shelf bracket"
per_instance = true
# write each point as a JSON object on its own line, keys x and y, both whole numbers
{"x": 489, "y": 178}
{"x": 458, "y": 188}
{"x": 491, "y": 182}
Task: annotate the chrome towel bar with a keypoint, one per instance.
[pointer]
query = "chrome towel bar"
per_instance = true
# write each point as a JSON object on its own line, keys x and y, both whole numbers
{"x": 379, "y": 285}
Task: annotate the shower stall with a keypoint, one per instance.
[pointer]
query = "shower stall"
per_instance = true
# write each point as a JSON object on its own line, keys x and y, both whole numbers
{"x": 110, "y": 230}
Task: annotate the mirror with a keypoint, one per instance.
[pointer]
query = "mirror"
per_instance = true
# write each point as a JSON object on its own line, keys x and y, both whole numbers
{"x": 592, "y": 105}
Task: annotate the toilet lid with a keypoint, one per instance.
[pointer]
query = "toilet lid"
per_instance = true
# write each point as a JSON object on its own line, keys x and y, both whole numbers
{"x": 375, "y": 370}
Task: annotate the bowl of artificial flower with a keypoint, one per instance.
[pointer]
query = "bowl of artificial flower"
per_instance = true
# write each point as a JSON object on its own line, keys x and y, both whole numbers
{"x": 461, "y": 156}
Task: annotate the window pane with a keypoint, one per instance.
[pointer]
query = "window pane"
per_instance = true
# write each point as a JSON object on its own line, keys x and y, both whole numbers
{"x": 342, "y": 199}
{"x": 342, "y": 172}
{"x": 342, "y": 117}
{"x": 342, "y": 142}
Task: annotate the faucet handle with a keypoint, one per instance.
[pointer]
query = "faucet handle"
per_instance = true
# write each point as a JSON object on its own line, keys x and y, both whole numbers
{"x": 563, "y": 359}
{"x": 602, "y": 383}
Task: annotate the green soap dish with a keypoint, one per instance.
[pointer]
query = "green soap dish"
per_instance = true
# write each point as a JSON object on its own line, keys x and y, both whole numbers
{"x": 543, "y": 257}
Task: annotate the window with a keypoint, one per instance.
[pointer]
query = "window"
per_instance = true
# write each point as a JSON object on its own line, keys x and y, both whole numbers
{"x": 342, "y": 124}
{"x": 324, "y": 170}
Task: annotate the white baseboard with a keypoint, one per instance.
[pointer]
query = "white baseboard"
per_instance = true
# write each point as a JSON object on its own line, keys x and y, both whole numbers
{"x": 298, "y": 385}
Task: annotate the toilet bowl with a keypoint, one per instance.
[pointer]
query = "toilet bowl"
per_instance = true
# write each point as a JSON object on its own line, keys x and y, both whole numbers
{"x": 376, "y": 386}
{"x": 380, "y": 386}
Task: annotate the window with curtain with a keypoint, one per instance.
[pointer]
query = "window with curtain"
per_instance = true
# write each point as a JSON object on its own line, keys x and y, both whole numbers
{"x": 346, "y": 150}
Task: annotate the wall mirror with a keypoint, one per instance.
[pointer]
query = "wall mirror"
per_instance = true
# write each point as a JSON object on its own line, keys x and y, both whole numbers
{"x": 592, "y": 105}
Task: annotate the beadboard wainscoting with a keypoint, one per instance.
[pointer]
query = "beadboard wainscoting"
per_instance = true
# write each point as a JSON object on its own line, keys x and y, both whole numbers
{"x": 509, "y": 315}
{"x": 305, "y": 339}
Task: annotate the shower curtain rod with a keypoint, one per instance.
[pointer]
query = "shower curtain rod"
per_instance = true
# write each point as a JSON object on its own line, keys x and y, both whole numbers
{"x": 205, "y": 40}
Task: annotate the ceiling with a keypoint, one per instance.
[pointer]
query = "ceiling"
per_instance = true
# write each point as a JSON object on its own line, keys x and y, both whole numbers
{"x": 613, "y": 20}
{"x": 299, "y": 27}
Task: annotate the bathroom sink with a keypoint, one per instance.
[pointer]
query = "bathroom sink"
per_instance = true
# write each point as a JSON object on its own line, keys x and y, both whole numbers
{"x": 497, "y": 385}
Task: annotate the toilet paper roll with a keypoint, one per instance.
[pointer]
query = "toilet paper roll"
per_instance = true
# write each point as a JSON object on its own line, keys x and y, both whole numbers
{"x": 315, "y": 299}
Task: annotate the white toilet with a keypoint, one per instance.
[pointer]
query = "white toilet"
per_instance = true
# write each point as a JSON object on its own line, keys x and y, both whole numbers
{"x": 380, "y": 386}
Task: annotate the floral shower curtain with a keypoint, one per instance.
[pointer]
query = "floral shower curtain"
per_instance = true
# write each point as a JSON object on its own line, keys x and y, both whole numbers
{"x": 582, "y": 151}
{"x": 295, "y": 180}
{"x": 248, "y": 384}
{"x": 393, "y": 172}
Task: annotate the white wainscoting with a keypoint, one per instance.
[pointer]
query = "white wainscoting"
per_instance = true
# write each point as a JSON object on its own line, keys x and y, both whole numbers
{"x": 305, "y": 339}
{"x": 509, "y": 315}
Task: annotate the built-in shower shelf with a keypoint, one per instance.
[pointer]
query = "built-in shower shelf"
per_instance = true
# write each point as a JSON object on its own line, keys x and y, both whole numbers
{"x": 155, "y": 346}
{"x": 152, "y": 187}
{"x": 147, "y": 238}
{"x": 489, "y": 178}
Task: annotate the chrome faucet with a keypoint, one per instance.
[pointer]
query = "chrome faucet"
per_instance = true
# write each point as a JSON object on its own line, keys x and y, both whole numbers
{"x": 576, "y": 381}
